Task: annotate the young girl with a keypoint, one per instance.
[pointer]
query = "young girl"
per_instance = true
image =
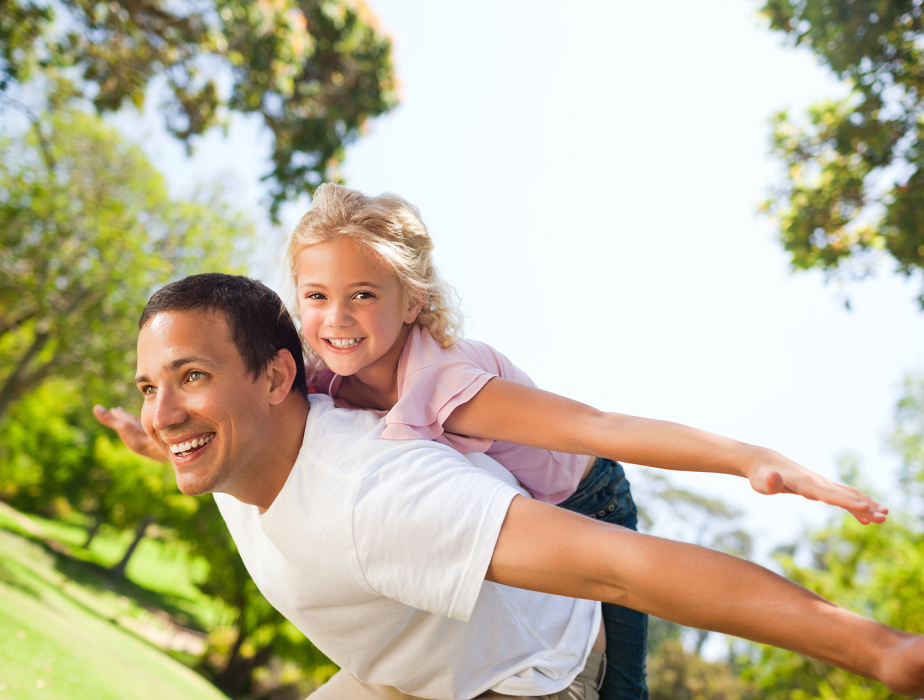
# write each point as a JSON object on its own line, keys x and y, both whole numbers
{"x": 381, "y": 333}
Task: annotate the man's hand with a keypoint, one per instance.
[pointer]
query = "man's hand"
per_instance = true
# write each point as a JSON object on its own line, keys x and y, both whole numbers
{"x": 130, "y": 431}
{"x": 772, "y": 473}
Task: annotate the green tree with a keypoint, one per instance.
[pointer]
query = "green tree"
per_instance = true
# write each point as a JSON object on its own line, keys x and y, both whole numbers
{"x": 854, "y": 185}
{"x": 313, "y": 70}
{"x": 677, "y": 674}
{"x": 87, "y": 231}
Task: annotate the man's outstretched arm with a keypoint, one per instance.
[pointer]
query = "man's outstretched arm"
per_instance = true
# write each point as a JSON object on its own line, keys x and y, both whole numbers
{"x": 543, "y": 548}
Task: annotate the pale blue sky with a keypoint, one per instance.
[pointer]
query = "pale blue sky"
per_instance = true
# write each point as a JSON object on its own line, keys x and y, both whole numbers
{"x": 591, "y": 174}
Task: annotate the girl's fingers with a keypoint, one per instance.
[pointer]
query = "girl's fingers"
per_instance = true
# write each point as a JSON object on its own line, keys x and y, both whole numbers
{"x": 814, "y": 487}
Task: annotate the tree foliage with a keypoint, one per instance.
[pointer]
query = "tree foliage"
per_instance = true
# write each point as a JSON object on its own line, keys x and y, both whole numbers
{"x": 87, "y": 231}
{"x": 313, "y": 70}
{"x": 677, "y": 674}
{"x": 854, "y": 183}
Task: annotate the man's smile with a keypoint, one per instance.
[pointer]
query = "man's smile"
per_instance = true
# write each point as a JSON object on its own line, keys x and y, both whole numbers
{"x": 188, "y": 447}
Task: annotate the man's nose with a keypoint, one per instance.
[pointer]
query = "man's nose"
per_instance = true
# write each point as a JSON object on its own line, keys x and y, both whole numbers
{"x": 168, "y": 410}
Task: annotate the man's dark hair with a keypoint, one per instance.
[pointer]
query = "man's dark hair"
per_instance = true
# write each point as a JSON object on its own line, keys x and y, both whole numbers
{"x": 259, "y": 323}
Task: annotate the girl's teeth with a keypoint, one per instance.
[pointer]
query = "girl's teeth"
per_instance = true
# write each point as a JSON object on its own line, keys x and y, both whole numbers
{"x": 343, "y": 342}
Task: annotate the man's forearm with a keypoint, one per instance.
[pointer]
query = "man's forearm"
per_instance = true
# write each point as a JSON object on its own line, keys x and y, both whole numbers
{"x": 563, "y": 553}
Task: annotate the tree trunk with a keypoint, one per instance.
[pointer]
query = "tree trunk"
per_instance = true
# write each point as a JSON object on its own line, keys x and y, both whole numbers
{"x": 236, "y": 677}
{"x": 18, "y": 380}
{"x": 91, "y": 532}
{"x": 119, "y": 569}
{"x": 701, "y": 637}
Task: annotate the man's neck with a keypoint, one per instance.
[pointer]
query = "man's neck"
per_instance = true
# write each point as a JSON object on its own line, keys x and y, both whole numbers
{"x": 288, "y": 433}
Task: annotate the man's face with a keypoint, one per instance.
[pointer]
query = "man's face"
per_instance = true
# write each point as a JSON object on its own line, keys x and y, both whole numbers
{"x": 201, "y": 406}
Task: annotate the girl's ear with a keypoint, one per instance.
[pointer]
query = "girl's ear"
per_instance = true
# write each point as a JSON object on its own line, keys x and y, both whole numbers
{"x": 413, "y": 311}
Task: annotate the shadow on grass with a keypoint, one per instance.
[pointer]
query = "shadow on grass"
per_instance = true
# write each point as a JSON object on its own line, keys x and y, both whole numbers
{"x": 95, "y": 577}
{"x": 11, "y": 579}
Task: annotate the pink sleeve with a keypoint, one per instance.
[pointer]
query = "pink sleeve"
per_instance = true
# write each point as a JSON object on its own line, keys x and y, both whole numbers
{"x": 432, "y": 382}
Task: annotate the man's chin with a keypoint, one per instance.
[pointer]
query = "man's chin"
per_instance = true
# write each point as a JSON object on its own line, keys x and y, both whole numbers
{"x": 191, "y": 483}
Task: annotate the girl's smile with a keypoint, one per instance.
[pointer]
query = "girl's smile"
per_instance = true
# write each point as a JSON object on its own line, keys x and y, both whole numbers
{"x": 355, "y": 314}
{"x": 343, "y": 343}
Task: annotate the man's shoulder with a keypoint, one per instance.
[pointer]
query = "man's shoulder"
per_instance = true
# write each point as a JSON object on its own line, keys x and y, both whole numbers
{"x": 350, "y": 442}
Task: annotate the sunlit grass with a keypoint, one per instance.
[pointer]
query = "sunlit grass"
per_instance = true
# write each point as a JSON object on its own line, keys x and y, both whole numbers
{"x": 158, "y": 567}
{"x": 60, "y": 636}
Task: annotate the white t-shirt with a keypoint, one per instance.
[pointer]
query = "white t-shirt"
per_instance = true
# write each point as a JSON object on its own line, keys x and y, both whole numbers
{"x": 377, "y": 551}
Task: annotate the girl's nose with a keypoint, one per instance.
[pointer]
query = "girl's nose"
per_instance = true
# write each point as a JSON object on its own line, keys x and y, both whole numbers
{"x": 338, "y": 316}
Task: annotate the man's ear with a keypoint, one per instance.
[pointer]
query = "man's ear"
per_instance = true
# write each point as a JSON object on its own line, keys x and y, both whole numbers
{"x": 281, "y": 373}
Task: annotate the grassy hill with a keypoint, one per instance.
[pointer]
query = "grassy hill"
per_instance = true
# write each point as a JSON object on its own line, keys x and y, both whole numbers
{"x": 69, "y": 631}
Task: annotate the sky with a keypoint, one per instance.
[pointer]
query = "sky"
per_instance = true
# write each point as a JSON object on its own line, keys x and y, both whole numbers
{"x": 591, "y": 176}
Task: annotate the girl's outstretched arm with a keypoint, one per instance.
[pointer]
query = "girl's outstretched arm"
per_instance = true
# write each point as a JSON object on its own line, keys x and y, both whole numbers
{"x": 505, "y": 410}
{"x": 129, "y": 428}
{"x": 548, "y": 549}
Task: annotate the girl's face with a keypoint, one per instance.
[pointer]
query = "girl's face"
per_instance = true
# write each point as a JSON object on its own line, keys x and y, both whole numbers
{"x": 353, "y": 310}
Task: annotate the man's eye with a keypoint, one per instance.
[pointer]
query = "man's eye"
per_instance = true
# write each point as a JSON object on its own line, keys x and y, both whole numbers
{"x": 195, "y": 376}
{"x": 147, "y": 390}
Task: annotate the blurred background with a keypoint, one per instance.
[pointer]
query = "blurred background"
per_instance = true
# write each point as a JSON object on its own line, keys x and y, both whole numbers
{"x": 710, "y": 213}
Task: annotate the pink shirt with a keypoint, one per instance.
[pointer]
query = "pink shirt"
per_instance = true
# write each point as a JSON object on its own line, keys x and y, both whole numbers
{"x": 433, "y": 381}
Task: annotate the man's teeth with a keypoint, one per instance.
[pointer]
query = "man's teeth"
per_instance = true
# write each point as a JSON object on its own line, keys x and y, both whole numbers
{"x": 190, "y": 444}
{"x": 343, "y": 342}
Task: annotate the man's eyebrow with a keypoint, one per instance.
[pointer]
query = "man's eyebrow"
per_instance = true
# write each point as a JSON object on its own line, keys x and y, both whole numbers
{"x": 177, "y": 363}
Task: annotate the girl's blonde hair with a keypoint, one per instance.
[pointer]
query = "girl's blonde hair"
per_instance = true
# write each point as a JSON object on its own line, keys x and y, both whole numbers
{"x": 392, "y": 229}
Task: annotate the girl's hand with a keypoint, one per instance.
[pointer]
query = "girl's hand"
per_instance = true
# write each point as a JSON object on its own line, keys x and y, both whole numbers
{"x": 772, "y": 473}
{"x": 130, "y": 431}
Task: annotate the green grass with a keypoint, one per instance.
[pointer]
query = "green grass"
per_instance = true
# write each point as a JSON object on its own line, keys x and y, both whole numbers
{"x": 60, "y": 638}
{"x": 166, "y": 574}
{"x": 67, "y": 626}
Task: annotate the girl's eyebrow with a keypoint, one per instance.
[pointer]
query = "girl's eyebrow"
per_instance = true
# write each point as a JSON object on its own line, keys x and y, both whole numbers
{"x": 309, "y": 283}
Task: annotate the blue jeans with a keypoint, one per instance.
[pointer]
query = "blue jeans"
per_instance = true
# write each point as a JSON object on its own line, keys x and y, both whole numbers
{"x": 604, "y": 495}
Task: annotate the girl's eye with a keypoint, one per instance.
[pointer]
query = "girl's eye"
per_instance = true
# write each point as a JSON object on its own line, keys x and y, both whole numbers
{"x": 195, "y": 376}
{"x": 315, "y": 296}
{"x": 365, "y": 295}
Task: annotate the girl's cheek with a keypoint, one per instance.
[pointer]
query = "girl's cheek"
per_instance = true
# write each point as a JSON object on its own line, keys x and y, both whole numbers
{"x": 309, "y": 320}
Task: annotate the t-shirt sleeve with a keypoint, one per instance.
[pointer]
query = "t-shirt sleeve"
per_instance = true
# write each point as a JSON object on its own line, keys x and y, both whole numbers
{"x": 433, "y": 383}
{"x": 425, "y": 525}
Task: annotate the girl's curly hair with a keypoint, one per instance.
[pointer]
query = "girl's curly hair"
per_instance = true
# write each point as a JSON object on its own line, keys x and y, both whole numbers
{"x": 391, "y": 228}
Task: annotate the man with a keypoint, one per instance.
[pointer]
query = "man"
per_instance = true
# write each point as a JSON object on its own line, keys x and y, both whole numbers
{"x": 417, "y": 570}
